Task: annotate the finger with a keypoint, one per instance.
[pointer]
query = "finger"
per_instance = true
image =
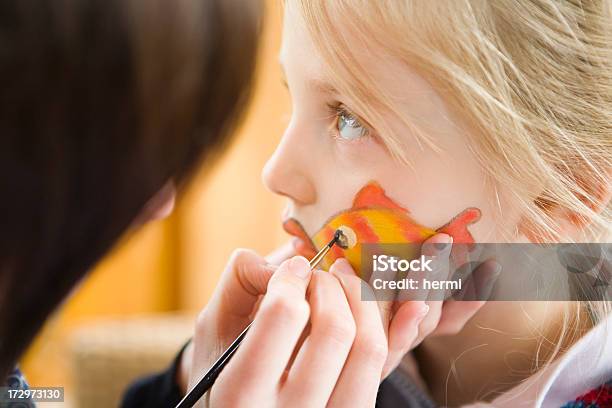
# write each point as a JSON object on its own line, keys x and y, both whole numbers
{"x": 281, "y": 254}
{"x": 363, "y": 368}
{"x": 437, "y": 248}
{"x": 244, "y": 280}
{"x": 429, "y": 322}
{"x": 319, "y": 363}
{"x": 277, "y": 327}
{"x": 385, "y": 298}
{"x": 485, "y": 277}
{"x": 456, "y": 313}
{"x": 403, "y": 332}
{"x": 436, "y": 244}
{"x": 463, "y": 274}
{"x": 255, "y": 308}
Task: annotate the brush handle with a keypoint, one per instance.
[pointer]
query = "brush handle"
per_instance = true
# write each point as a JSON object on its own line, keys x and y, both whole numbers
{"x": 207, "y": 381}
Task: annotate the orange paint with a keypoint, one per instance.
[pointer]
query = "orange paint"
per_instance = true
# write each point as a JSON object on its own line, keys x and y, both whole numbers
{"x": 377, "y": 219}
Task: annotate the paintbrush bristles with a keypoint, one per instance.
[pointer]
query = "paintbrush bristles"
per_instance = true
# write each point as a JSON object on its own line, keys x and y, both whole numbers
{"x": 346, "y": 237}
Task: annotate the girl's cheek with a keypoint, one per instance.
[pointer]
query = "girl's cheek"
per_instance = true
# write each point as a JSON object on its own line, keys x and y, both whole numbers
{"x": 364, "y": 155}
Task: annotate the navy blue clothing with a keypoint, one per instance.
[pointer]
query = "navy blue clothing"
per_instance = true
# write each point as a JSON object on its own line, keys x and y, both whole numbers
{"x": 16, "y": 381}
{"x": 156, "y": 391}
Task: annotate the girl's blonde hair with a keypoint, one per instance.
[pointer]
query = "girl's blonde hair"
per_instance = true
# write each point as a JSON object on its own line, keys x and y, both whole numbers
{"x": 532, "y": 78}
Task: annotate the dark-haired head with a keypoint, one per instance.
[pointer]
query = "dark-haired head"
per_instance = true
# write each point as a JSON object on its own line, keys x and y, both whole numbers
{"x": 102, "y": 102}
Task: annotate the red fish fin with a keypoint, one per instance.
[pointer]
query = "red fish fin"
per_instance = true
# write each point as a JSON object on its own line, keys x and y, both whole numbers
{"x": 457, "y": 227}
{"x": 372, "y": 195}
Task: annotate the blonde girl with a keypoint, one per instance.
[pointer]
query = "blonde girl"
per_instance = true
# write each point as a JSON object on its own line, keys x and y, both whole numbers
{"x": 501, "y": 105}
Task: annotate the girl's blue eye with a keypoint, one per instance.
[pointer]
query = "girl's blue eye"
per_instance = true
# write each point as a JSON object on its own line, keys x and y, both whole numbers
{"x": 349, "y": 127}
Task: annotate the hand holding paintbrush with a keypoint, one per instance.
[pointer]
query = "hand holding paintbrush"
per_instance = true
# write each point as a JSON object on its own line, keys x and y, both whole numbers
{"x": 348, "y": 346}
{"x": 208, "y": 379}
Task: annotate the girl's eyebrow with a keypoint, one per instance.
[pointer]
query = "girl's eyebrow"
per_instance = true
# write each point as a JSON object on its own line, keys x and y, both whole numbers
{"x": 323, "y": 86}
{"x": 316, "y": 84}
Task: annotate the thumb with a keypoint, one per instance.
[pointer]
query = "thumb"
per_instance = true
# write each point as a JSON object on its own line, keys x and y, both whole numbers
{"x": 243, "y": 281}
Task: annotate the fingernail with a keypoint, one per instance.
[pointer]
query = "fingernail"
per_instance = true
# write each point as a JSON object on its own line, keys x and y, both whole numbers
{"x": 341, "y": 265}
{"x": 494, "y": 273}
{"x": 446, "y": 240}
{"x": 299, "y": 266}
{"x": 422, "y": 312}
{"x": 497, "y": 270}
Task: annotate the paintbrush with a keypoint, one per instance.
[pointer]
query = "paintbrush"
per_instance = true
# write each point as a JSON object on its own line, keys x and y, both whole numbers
{"x": 345, "y": 238}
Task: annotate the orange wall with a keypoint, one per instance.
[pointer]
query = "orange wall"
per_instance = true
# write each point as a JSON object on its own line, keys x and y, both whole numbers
{"x": 231, "y": 208}
{"x": 174, "y": 264}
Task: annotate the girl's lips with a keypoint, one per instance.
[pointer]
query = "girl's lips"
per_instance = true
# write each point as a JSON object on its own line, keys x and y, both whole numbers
{"x": 302, "y": 243}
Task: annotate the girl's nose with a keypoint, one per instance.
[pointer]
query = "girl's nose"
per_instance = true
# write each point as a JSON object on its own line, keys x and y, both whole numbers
{"x": 287, "y": 172}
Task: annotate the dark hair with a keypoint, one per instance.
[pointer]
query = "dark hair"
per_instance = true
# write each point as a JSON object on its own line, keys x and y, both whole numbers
{"x": 101, "y": 103}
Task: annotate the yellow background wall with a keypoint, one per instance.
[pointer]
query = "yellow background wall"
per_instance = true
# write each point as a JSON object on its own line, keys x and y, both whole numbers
{"x": 173, "y": 265}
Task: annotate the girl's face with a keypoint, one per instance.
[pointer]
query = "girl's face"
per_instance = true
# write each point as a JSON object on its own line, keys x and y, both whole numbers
{"x": 327, "y": 155}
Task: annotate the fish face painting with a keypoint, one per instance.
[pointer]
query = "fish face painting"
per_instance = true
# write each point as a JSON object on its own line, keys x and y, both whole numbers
{"x": 376, "y": 219}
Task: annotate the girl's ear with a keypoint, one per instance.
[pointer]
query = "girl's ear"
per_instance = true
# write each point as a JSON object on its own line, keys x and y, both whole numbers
{"x": 569, "y": 223}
